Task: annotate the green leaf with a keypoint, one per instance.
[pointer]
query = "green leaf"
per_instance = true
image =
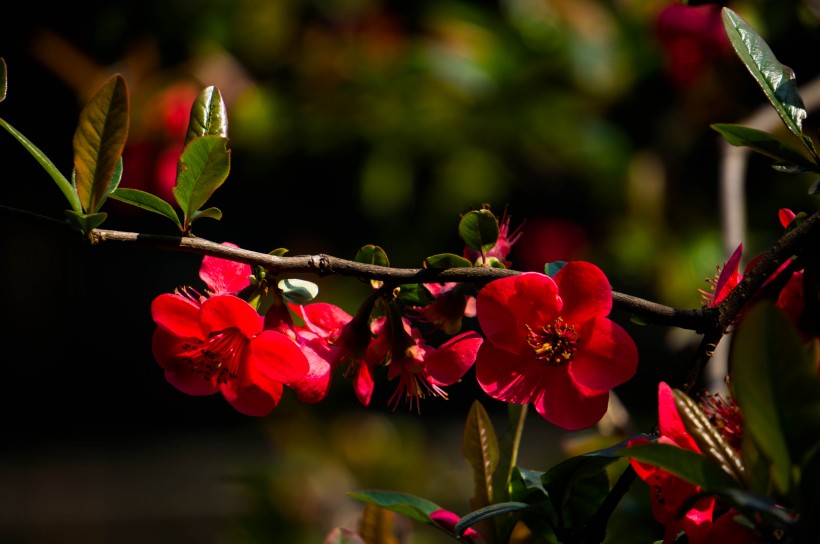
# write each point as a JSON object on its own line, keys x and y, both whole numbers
{"x": 99, "y": 141}
{"x": 765, "y": 144}
{"x": 446, "y": 260}
{"x": 687, "y": 464}
{"x": 146, "y": 201}
{"x": 207, "y": 213}
{"x": 776, "y": 80}
{"x": 4, "y": 84}
{"x": 209, "y": 117}
{"x": 371, "y": 254}
{"x": 405, "y": 504}
{"x": 551, "y": 269}
{"x": 487, "y": 512}
{"x": 479, "y": 448}
{"x": 84, "y": 222}
{"x": 62, "y": 182}
{"x": 777, "y": 388}
{"x": 298, "y": 291}
{"x": 203, "y": 167}
{"x": 508, "y": 446}
{"x": 479, "y": 230}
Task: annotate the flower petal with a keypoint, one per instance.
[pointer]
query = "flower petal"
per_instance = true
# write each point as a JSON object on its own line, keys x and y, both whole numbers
{"x": 177, "y": 314}
{"x": 585, "y": 291}
{"x": 447, "y": 364}
{"x": 322, "y": 318}
{"x": 223, "y": 276}
{"x": 315, "y": 385}
{"x": 508, "y": 377}
{"x": 570, "y": 405}
{"x": 166, "y": 348}
{"x": 253, "y": 399}
{"x": 277, "y": 357}
{"x": 670, "y": 423}
{"x": 227, "y": 311}
{"x": 606, "y": 357}
{"x": 504, "y": 306}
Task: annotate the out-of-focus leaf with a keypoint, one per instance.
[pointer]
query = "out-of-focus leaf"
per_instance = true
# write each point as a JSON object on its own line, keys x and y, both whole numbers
{"x": 62, "y": 182}
{"x": 146, "y": 201}
{"x": 298, "y": 291}
{"x": 776, "y": 80}
{"x": 84, "y": 222}
{"x": 479, "y": 447}
{"x": 689, "y": 465}
{"x": 487, "y": 513}
{"x": 752, "y": 504}
{"x": 376, "y": 525}
{"x": 209, "y": 117}
{"x": 414, "y": 294}
{"x": 479, "y": 230}
{"x": 764, "y": 143}
{"x": 4, "y": 84}
{"x": 340, "y": 535}
{"x": 405, "y": 504}
{"x": 815, "y": 187}
{"x": 550, "y": 269}
{"x": 446, "y": 260}
{"x": 99, "y": 141}
{"x": 708, "y": 439}
{"x": 777, "y": 388}
{"x": 508, "y": 445}
{"x": 203, "y": 167}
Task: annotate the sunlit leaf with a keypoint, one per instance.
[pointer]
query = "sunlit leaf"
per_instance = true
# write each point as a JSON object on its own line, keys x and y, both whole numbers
{"x": 209, "y": 117}
{"x": 776, "y": 80}
{"x": 62, "y": 182}
{"x": 146, "y": 201}
{"x": 99, "y": 141}
{"x": 446, "y": 260}
{"x": 298, "y": 291}
{"x": 777, "y": 388}
{"x": 203, "y": 167}
{"x": 479, "y": 448}
{"x": 207, "y": 213}
{"x": 4, "y": 84}
{"x": 479, "y": 230}
{"x": 689, "y": 465}
{"x": 764, "y": 143}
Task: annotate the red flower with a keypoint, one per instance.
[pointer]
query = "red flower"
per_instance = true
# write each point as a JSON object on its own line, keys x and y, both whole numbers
{"x": 447, "y": 520}
{"x": 669, "y": 492}
{"x": 423, "y": 369}
{"x": 220, "y": 346}
{"x": 550, "y": 343}
{"x": 222, "y": 276}
{"x": 451, "y": 304}
{"x": 726, "y": 280}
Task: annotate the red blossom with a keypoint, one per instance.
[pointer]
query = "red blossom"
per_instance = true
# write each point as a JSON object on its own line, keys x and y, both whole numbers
{"x": 550, "y": 343}
{"x": 220, "y": 346}
{"x": 447, "y": 520}
{"x": 449, "y": 307}
{"x": 669, "y": 492}
{"x": 422, "y": 369}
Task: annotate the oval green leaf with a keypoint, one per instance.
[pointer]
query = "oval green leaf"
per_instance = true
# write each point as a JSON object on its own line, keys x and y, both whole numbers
{"x": 446, "y": 260}
{"x": 765, "y": 144}
{"x": 209, "y": 117}
{"x": 210, "y": 213}
{"x": 298, "y": 291}
{"x": 99, "y": 141}
{"x": 146, "y": 201}
{"x": 371, "y": 254}
{"x": 203, "y": 167}
{"x": 687, "y": 464}
{"x": 479, "y": 230}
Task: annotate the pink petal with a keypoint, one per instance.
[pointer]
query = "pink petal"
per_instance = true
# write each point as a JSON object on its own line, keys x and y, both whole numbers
{"x": 315, "y": 385}
{"x": 729, "y": 276}
{"x": 322, "y": 318}
{"x": 363, "y": 384}
{"x": 606, "y": 357}
{"x": 166, "y": 348}
{"x": 277, "y": 358}
{"x": 570, "y": 405}
{"x": 227, "y": 311}
{"x": 508, "y": 377}
{"x": 177, "y": 314}
{"x": 447, "y": 364}
{"x": 223, "y": 276}
{"x": 585, "y": 291}
{"x": 670, "y": 423}
{"x": 505, "y": 306}
{"x": 256, "y": 399}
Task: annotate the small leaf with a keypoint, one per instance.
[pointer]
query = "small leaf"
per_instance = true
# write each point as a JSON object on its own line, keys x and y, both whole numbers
{"x": 209, "y": 117}
{"x": 479, "y": 230}
{"x": 407, "y": 505}
{"x": 776, "y": 80}
{"x": 551, "y": 269}
{"x": 765, "y": 144}
{"x": 371, "y": 254}
{"x": 146, "y": 201}
{"x": 446, "y": 260}
{"x": 99, "y": 141}
{"x": 4, "y": 84}
{"x": 298, "y": 291}
{"x": 486, "y": 513}
{"x": 203, "y": 167}
{"x": 62, "y": 182}
{"x": 84, "y": 222}
{"x": 687, "y": 464}
{"x": 207, "y": 213}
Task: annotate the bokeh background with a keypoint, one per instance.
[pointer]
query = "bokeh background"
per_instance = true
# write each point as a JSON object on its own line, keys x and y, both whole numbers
{"x": 352, "y": 122}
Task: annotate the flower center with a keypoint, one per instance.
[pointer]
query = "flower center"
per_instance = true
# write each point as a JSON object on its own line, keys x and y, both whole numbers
{"x": 218, "y": 356}
{"x": 555, "y": 344}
